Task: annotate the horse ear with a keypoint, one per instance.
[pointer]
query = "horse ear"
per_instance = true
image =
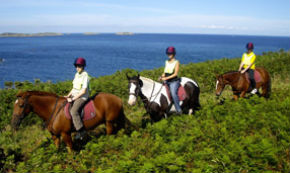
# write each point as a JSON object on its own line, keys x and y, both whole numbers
{"x": 138, "y": 75}
{"x": 20, "y": 93}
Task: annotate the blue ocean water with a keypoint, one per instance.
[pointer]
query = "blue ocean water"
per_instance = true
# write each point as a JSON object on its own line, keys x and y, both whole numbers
{"x": 51, "y": 58}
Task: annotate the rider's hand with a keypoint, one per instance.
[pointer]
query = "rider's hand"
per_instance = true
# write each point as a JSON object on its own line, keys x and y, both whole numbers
{"x": 69, "y": 99}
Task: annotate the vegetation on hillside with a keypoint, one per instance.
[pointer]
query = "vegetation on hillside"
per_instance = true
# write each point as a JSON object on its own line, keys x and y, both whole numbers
{"x": 248, "y": 135}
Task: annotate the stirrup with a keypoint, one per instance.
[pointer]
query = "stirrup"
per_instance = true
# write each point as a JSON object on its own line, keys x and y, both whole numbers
{"x": 254, "y": 91}
{"x": 80, "y": 135}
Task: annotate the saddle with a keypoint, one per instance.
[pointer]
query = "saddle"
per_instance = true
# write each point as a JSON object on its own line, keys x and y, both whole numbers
{"x": 257, "y": 76}
{"x": 181, "y": 93}
{"x": 88, "y": 111}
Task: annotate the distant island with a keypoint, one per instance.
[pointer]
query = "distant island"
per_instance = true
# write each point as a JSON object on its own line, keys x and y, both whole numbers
{"x": 9, "y": 34}
{"x": 91, "y": 33}
{"x": 124, "y": 33}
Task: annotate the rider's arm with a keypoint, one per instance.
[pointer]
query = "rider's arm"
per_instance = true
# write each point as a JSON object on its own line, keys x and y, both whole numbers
{"x": 81, "y": 93}
{"x": 249, "y": 66}
{"x": 69, "y": 95}
{"x": 242, "y": 62}
{"x": 241, "y": 66}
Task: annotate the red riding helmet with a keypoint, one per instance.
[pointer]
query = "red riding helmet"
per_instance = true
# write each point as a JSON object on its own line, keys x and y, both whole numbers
{"x": 250, "y": 46}
{"x": 80, "y": 61}
{"x": 170, "y": 50}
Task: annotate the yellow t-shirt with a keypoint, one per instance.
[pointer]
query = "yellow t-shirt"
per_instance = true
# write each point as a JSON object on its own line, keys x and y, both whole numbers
{"x": 248, "y": 59}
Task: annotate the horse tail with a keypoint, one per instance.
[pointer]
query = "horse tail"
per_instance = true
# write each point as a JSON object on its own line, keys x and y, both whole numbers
{"x": 197, "y": 103}
{"x": 267, "y": 85}
{"x": 268, "y": 88}
{"x": 129, "y": 124}
{"x": 124, "y": 121}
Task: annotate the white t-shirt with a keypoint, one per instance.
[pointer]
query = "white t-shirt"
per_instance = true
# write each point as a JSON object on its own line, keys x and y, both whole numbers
{"x": 80, "y": 82}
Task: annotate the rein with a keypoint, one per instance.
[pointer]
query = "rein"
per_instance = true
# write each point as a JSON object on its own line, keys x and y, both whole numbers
{"x": 147, "y": 106}
{"x": 47, "y": 122}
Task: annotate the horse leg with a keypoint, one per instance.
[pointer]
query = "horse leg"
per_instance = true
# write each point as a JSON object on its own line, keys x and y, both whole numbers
{"x": 243, "y": 94}
{"x": 56, "y": 140}
{"x": 236, "y": 97}
{"x": 109, "y": 127}
{"x": 68, "y": 141}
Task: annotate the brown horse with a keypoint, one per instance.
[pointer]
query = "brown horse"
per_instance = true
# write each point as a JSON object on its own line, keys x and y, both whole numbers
{"x": 241, "y": 85}
{"x": 49, "y": 107}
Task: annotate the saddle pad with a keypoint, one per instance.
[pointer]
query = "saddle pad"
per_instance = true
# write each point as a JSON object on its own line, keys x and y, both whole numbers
{"x": 257, "y": 76}
{"x": 88, "y": 111}
{"x": 181, "y": 93}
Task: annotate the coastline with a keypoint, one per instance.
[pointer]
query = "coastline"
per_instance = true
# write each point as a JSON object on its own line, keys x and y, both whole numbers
{"x": 44, "y": 34}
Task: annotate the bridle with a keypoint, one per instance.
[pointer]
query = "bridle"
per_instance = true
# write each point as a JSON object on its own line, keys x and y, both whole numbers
{"x": 24, "y": 106}
{"x": 137, "y": 90}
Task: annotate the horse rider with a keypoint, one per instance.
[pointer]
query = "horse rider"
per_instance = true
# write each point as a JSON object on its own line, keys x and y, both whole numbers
{"x": 79, "y": 95}
{"x": 170, "y": 76}
{"x": 248, "y": 65}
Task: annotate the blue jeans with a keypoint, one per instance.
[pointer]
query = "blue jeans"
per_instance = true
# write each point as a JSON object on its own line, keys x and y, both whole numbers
{"x": 174, "y": 85}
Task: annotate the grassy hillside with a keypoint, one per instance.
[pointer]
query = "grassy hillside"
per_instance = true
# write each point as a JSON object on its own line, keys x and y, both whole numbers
{"x": 249, "y": 135}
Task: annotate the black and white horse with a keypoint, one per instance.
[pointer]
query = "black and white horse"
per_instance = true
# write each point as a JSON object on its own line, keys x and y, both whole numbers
{"x": 156, "y": 101}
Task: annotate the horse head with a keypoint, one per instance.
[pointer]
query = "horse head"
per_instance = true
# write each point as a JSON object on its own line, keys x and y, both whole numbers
{"x": 21, "y": 109}
{"x": 220, "y": 85}
{"x": 134, "y": 84}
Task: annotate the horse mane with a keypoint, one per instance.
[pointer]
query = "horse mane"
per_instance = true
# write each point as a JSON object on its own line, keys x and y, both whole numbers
{"x": 231, "y": 72}
{"x": 38, "y": 93}
{"x": 147, "y": 79}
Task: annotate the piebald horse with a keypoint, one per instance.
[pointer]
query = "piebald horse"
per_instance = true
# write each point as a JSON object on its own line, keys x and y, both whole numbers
{"x": 50, "y": 107}
{"x": 156, "y": 101}
{"x": 241, "y": 85}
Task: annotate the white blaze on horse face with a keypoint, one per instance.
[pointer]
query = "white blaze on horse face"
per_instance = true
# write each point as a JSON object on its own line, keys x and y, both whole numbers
{"x": 16, "y": 101}
{"x": 132, "y": 98}
{"x": 217, "y": 82}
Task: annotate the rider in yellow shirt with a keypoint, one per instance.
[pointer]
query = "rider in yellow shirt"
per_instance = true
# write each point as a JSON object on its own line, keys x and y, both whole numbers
{"x": 248, "y": 65}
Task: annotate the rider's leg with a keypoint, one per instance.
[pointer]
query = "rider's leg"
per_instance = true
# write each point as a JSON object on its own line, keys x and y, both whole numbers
{"x": 253, "y": 82}
{"x": 174, "y": 93}
{"x": 77, "y": 105}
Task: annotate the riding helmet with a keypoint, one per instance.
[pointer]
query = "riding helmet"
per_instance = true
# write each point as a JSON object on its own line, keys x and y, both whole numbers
{"x": 80, "y": 61}
{"x": 250, "y": 45}
{"x": 170, "y": 50}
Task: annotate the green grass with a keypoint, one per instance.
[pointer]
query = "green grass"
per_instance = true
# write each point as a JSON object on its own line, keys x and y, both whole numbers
{"x": 248, "y": 135}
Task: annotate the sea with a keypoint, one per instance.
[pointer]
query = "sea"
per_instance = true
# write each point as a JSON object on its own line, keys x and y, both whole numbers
{"x": 51, "y": 58}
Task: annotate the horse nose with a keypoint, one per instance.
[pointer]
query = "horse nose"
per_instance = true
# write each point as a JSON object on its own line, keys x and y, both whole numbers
{"x": 217, "y": 94}
{"x": 131, "y": 103}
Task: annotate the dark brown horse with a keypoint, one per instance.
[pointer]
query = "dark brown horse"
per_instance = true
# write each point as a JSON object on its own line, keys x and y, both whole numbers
{"x": 241, "y": 85}
{"x": 49, "y": 107}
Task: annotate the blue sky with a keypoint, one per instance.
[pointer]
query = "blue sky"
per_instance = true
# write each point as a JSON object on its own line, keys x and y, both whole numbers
{"x": 246, "y": 17}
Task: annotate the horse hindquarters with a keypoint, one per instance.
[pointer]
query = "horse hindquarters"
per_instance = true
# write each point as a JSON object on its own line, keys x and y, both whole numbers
{"x": 110, "y": 111}
{"x": 192, "y": 103}
{"x": 266, "y": 84}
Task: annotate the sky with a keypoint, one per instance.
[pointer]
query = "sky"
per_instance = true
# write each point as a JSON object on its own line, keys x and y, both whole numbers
{"x": 246, "y": 17}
